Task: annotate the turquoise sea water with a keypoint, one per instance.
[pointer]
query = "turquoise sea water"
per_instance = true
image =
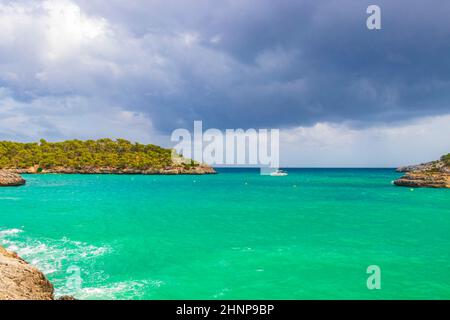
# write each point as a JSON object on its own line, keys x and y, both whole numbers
{"x": 310, "y": 235}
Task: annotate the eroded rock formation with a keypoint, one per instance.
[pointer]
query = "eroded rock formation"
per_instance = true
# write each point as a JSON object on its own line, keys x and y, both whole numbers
{"x": 435, "y": 174}
{"x": 9, "y": 179}
{"x": 21, "y": 281}
{"x": 171, "y": 170}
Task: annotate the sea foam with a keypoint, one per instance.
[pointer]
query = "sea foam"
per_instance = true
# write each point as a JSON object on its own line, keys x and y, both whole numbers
{"x": 9, "y": 232}
{"x": 54, "y": 257}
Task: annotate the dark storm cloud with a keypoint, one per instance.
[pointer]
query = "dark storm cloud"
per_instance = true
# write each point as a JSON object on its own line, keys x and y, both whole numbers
{"x": 299, "y": 62}
{"x": 262, "y": 63}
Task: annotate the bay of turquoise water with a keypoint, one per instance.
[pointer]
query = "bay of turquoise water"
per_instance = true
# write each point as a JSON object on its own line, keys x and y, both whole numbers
{"x": 235, "y": 235}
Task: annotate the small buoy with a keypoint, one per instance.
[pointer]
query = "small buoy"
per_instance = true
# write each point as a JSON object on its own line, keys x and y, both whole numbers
{"x": 295, "y": 186}
{"x": 246, "y": 183}
{"x": 411, "y": 189}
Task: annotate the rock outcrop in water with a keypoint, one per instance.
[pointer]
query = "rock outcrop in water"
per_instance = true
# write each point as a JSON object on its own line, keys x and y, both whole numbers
{"x": 10, "y": 179}
{"x": 21, "y": 281}
{"x": 435, "y": 174}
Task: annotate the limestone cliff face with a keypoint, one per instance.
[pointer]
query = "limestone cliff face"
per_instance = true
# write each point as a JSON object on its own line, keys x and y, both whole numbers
{"x": 21, "y": 281}
{"x": 435, "y": 174}
{"x": 171, "y": 170}
{"x": 10, "y": 179}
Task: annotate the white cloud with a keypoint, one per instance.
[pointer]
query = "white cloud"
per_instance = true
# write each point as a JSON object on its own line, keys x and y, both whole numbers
{"x": 190, "y": 38}
{"x": 71, "y": 118}
{"x": 337, "y": 145}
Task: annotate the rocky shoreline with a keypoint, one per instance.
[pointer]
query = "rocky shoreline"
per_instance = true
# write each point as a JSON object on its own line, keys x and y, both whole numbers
{"x": 10, "y": 179}
{"x": 435, "y": 174}
{"x": 172, "y": 170}
{"x": 21, "y": 281}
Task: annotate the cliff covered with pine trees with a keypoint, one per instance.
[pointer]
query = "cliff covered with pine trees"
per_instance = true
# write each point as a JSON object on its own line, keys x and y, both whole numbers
{"x": 94, "y": 157}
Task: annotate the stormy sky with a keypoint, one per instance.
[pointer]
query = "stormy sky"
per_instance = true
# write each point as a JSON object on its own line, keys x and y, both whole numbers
{"x": 341, "y": 94}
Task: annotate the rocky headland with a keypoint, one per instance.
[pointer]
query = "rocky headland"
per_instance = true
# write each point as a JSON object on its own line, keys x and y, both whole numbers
{"x": 103, "y": 156}
{"x": 434, "y": 174}
{"x": 21, "y": 281}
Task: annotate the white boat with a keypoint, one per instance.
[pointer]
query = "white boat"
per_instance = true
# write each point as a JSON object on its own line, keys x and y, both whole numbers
{"x": 279, "y": 173}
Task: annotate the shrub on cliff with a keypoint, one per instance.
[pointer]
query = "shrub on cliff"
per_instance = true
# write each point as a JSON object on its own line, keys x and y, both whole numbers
{"x": 446, "y": 159}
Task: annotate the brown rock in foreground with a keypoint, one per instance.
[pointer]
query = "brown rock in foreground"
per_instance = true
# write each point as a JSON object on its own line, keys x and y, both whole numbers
{"x": 10, "y": 179}
{"x": 435, "y": 174}
{"x": 21, "y": 281}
